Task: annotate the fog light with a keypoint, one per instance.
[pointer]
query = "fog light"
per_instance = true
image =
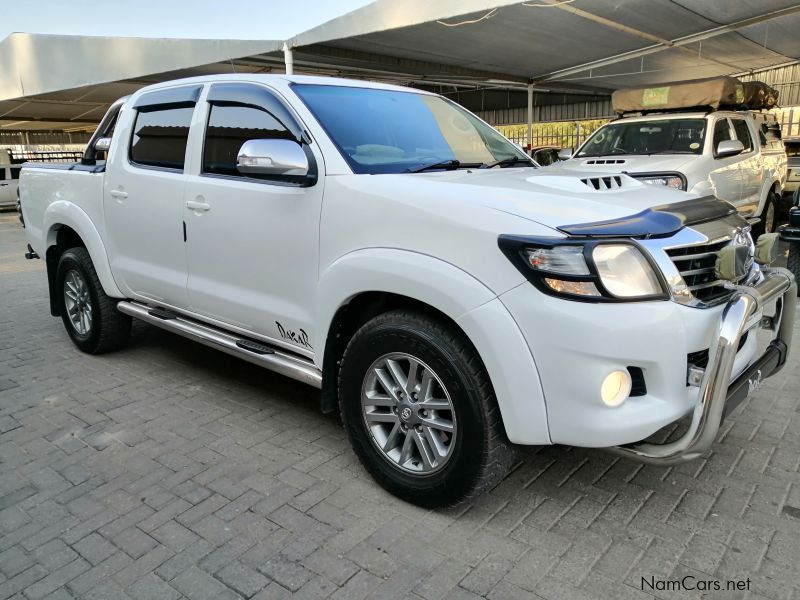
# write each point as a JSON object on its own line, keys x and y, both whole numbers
{"x": 616, "y": 388}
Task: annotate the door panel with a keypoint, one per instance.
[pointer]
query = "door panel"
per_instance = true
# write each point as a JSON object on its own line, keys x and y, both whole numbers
{"x": 252, "y": 244}
{"x": 725, "y": 175}
{"x": 751, "y": 167}
{"x": 143, "y": 203}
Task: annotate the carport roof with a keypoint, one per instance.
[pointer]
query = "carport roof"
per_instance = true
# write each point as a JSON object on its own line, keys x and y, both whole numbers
{"x": 579, "y": 46}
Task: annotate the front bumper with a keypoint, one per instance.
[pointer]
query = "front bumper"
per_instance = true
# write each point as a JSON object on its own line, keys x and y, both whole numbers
{"x": 717, "y": 397}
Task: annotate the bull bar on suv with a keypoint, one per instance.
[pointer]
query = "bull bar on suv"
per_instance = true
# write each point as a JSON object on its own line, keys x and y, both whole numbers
{"x": 716, "y": 397}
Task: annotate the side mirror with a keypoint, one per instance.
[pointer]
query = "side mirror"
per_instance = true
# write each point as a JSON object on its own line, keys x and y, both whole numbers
{"x": 565, "y": 154}
{"x": 272, "y": 157}
{"x": 102, "y": 144}
{"x": 729, "y": 148}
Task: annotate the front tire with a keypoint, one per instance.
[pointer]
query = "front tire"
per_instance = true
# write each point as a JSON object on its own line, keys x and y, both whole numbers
{"x": 793, "y": 262}
{"x": 769, "y": 216}
{"x": 90, "y": 317}
{"x": 420, "y": 411}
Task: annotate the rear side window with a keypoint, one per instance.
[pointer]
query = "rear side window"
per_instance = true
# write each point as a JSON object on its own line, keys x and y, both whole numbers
{"x": 722, "y": 132}
{"x": 2, "y": 174}
{"x": 743, "y": 133}
{"x": 15, "y": 171}
{"x": 160, "y": 136}
{"x": 230, "y": 126}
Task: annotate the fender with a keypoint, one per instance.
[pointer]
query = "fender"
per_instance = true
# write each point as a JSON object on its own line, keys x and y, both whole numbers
{"x": 473, "y": 306}
{"x": 62, "y": 212}
{"x": 771, "y": 180}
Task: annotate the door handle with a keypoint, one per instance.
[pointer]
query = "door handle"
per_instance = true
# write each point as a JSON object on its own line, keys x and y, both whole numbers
{"x": 118, "y": 194}
{"x": 197, "y": 205}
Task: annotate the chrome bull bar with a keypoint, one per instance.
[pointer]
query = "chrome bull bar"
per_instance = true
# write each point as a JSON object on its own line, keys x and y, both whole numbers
{"x": 717, "y": 397}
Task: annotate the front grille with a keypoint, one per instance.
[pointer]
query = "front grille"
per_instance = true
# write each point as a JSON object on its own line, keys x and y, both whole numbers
{"x": 696, "y": 266}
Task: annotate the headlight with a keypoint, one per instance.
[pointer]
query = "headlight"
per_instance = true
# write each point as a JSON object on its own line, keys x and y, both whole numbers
{"x": 624, "y": 271}
{"x": 675, "y": 181}
{"x": 587, "y": 270}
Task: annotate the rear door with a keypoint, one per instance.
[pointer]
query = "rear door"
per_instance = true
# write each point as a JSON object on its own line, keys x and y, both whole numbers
{"x": 252, "y": 241}
{"x": 143, "y": 195}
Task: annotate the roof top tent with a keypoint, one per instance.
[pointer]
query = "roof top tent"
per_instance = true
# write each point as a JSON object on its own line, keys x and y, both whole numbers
{"x": 714, "y": 93}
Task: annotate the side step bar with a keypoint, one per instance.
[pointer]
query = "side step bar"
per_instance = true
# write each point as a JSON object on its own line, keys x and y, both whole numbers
{"x": 259, "y": 354}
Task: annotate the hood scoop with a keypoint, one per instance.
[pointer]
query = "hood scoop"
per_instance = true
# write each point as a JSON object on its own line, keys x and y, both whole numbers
{"x": 605, "y": 161}
{"x": 611, "y": 182}
{"x": 581, "y": 185}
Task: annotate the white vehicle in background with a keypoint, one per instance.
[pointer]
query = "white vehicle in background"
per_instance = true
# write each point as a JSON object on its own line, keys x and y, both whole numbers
{"x": 735, "y": 155}
{"x": 9, "y": 180}
{"x": 390, "y": 248}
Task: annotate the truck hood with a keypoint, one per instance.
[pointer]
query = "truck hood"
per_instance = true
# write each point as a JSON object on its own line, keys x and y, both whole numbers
{"x": 545, "y": 196}
{"x": 626, "y": 163}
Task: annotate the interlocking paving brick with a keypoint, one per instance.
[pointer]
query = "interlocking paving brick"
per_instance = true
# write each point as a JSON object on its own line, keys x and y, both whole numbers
{"x": 167, "y": 470}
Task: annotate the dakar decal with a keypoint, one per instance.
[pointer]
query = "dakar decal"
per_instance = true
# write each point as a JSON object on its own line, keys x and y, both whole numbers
{"x": 298, "y": 337}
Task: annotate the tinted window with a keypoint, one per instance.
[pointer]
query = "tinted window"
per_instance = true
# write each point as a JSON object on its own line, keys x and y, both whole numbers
{"x": 388, "y": 131}
{"x": 15, "y": 171}
{"x": 743, "y": 133}
{"x": 159, "y": 137}
{"x": 659, "y": 136}
{"x": 792, "y": 149}
{"x": 2, "y": 173}
{"x": 231, "y": 126}
{"x": 546, "y": 157}
{"x": 722, "y": 132}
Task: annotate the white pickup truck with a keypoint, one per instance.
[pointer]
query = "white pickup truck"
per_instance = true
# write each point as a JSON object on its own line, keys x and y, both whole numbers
{"x": 390, "y": 248}
{"x": 737, "y": 156}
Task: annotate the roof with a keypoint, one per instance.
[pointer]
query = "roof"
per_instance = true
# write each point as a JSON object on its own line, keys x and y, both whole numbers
{"x": 570, "y": 46}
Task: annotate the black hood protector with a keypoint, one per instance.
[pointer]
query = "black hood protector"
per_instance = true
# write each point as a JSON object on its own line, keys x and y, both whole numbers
{"x": 658, "y": 221}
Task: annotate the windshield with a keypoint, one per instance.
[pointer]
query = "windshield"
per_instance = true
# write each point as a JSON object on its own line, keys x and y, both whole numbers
{"x": 388, "y": 131}
{"x": 664, "y": 136}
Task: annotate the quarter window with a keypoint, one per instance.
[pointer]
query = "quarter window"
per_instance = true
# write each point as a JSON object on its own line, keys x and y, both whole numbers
{"x": 160, "y": 136}
{"x": 230, "y": 126}
{"x": 743, "y": 133}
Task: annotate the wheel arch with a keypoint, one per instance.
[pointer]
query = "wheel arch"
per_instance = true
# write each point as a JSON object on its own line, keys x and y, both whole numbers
{"x": 366, "y": 283}
{"x": 67, "y": 226}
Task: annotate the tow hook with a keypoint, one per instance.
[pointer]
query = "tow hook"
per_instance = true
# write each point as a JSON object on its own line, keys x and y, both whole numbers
{"x": 31, "y": 253}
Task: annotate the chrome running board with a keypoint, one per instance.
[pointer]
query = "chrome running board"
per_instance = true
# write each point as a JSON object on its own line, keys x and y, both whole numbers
{"x": 257, "y": 353}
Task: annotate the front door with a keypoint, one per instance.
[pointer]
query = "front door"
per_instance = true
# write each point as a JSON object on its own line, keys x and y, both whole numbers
{"x": 252, "y": 242}
{"x": 751, "y": 168}
{"x": 143, "y": 199}
{"x": 725, "y": 175}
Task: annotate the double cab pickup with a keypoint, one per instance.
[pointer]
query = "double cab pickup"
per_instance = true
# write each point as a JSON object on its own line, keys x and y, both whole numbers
{"x": 383, "y": 244}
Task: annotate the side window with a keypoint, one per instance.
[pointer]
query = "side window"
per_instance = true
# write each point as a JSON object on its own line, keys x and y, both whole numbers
{"x": 230, "y": 126}
{"x": 159, "y": 137}
{"x": 743, "y": 133}
{"x": 15, "y": 171}
{"x": 2, "y": 174}
{"x": 722, "y": 132}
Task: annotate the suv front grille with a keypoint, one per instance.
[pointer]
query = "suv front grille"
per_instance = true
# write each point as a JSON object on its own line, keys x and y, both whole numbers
{"x": 696, "y": 266}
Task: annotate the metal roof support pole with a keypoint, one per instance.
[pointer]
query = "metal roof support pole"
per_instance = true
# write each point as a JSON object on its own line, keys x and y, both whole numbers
{"x": 288, "y": 59}
{"x": 530, "y": 116}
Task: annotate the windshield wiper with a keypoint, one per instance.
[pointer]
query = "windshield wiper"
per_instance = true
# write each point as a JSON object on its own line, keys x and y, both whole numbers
{"x": 443, "y": 164}
{"x": 511, "y": 160}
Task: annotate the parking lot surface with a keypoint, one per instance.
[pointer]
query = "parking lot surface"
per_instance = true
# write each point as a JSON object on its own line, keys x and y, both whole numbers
{"x": 169, "y": 470}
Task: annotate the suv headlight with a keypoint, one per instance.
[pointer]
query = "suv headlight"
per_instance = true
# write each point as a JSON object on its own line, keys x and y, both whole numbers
{"x": 586, "y": 270}
{"x": 675, "y": 181}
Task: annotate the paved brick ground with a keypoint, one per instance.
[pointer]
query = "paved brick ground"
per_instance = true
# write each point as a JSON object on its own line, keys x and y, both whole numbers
{"x": 170, "y": 470}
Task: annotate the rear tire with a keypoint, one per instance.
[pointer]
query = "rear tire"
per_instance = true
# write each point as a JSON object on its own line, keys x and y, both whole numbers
{"x": 793, "y": 262}
{"x": 90, "y": 317}
{"x": 769, "y": 216}
{"x": 435, "y": 467}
